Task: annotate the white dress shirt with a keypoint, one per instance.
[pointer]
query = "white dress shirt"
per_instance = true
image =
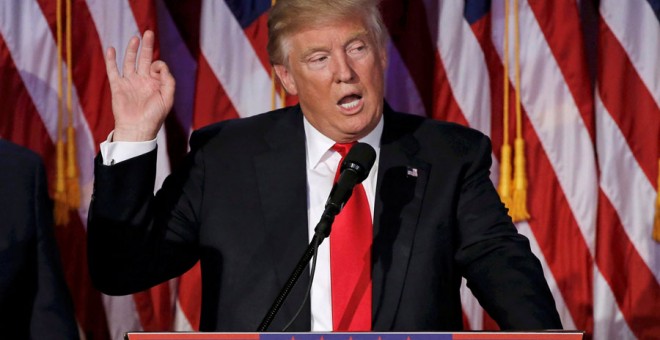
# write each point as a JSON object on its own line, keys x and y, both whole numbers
{"x": 322, "y": 164}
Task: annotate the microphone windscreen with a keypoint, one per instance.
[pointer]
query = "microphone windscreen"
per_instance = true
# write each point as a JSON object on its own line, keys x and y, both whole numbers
{"x": 360, "y": 159}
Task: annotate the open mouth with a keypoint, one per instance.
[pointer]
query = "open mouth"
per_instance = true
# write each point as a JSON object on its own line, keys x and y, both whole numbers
{"x": 350, "y": 102}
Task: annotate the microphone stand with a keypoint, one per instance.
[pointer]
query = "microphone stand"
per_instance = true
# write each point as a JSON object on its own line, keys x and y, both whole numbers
{"x": 321, "y": 231}
{"x": 288, "y": 286}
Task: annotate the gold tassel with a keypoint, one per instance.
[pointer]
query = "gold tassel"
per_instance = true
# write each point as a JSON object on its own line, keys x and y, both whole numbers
{"x": 518, "y": 210}
{"x": 504, "y": 186}
{"x": 519, "y": 207}
{"x": 656, "y": 223}
{"x": 61, "y": 211}
{"x": 61, "y": 207}
{"x": 72, "y": 184}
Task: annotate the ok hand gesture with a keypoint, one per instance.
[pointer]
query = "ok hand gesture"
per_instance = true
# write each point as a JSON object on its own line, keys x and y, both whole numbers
{"x": 142, "y": 95}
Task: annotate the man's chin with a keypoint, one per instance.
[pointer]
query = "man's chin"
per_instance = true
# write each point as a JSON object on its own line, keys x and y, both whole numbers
{"x": 357, "y": 132}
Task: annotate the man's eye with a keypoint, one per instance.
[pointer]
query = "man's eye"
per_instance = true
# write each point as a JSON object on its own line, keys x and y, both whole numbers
{"x": 317, "y": 60}
{"x": 358, "y": 49}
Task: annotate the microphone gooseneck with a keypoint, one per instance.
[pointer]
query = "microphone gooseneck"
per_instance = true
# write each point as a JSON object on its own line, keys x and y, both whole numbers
{"x": 354, "y": 169}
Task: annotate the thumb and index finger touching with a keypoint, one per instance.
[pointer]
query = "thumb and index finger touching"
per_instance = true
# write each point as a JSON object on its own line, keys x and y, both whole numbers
{"x": 160, "y": 71}
{"x": 143, "y": 89}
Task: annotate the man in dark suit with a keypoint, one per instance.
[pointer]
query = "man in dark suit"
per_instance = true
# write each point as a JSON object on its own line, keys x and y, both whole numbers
{"x": 251, "y": 190}
{"x": 34, "y": 299}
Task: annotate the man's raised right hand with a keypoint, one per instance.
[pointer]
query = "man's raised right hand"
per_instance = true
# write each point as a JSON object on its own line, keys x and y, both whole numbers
{"x": 141, "y": 96}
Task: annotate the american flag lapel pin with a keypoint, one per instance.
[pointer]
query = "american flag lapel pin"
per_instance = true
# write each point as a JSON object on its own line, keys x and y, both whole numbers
{"x": 411, "y": 172}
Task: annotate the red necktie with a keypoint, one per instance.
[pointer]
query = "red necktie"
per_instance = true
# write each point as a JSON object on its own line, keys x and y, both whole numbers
{"x": 350, "y": 260}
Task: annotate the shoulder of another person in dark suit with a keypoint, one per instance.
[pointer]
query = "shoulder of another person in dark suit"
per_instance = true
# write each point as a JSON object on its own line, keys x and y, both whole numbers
{"x": 23, "y": 174}
{"x": 15, "y": 160}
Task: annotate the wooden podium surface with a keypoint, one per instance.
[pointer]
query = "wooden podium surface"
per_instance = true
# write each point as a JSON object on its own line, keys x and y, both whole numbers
{"x": 550, "y": 335}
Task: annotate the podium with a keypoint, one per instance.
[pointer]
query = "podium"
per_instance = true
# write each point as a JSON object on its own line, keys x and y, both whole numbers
{"x": 548, "y": 335}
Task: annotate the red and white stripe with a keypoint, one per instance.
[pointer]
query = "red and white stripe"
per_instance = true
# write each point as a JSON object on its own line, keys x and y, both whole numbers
{"x": 628, "y": 146}
{"x": 234, "y": 61}
{"x": 457, "y": 46}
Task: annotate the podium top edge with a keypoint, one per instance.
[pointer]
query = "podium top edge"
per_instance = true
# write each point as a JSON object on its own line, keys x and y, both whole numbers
{"x": 474, "y": 335}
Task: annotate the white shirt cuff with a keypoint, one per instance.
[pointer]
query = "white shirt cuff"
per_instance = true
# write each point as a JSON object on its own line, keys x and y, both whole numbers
{"x": 115, "y": 152}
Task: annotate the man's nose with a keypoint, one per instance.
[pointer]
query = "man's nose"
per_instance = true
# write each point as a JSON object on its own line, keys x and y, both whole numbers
{"x": 343, "y": 69}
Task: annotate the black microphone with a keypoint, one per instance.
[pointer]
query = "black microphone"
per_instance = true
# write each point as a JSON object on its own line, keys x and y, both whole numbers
{"x": 354, "y": 169}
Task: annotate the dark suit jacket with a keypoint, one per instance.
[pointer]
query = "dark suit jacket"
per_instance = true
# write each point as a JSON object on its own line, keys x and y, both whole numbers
{"x": 34, "y": 299}
{"x": 240, "y": 206}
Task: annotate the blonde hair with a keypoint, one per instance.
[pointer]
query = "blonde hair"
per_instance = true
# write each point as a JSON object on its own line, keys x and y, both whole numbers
{"x": 290, "y": 16}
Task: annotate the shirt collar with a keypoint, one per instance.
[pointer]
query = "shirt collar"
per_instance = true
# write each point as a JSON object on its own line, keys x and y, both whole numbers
{"x": 318, "y": 145}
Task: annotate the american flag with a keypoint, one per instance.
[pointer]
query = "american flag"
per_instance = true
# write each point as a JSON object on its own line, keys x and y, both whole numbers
{"x": 589, "y": 86}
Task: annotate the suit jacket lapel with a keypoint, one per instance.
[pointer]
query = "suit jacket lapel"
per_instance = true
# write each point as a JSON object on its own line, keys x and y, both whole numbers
{"x": 402, "y": 179}
{"x": 282, "y": 184}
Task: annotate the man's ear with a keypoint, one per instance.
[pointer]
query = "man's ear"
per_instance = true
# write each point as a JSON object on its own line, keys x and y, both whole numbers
{"x": 382, "y": 54}
{"x": 287, "y": 79}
